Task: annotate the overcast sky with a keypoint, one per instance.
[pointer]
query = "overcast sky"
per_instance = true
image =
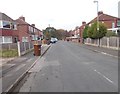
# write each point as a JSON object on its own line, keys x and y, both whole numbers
{"x": 65, "y": 14}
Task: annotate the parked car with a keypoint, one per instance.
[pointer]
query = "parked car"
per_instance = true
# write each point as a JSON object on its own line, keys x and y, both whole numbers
{"x": 53, "y": 40}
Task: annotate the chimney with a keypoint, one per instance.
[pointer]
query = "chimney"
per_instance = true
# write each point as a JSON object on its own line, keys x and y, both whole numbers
{"x": 22, "y": 18}
{"x": 83, "y": 23}
{"x": 100, "y": 12}
{"x": 33, "y": 25}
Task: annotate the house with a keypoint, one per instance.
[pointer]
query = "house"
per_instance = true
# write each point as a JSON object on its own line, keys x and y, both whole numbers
{"x": 27, "y": 32}
{"x": 7, "y": 29}
{"x": 12, "y": 31}
{"x": 108, "y": 20}
{"x": 111, "y": 23}
{"x": 81, "y": 29}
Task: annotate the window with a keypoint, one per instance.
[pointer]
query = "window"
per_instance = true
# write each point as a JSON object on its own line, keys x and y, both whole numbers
{"x": 118, "y": 23}
{"x": 7, "y": 39}
{"x": 1, "y": 39}
{"x": 1, "y": 24}
{"x": 30, "y": 29}
{"x": 6, "y": 25}
{"x": 24, "y": 39}
{"x": 14, "y": 26}
{"x": 34, "y": 37}
{"x": 113, "y": 25}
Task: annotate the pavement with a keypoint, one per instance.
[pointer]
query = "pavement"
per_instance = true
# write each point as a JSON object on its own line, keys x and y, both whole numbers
{"x": 14, "y": 69}
{"x": 70, "y": 67}
{"x": 9, "y": 60}
{"x": 103, "y": 50}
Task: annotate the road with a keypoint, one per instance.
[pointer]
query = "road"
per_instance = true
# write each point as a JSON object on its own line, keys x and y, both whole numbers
{"x": 69, "y": 67}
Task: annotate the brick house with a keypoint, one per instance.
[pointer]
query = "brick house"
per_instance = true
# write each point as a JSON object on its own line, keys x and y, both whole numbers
{"x": 27, "y": 32}
{"x": 81, "y": 29}
{"x": 110, "y": 22}
{"x": 8, "y": 29}
{"x": 12, "y": 31}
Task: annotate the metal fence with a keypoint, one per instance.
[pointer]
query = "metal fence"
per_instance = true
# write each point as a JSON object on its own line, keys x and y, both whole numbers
{"x": 110, "y": 42}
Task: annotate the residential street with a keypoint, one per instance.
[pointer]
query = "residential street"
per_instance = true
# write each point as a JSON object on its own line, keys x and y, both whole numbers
{"x": 71, "y": 67}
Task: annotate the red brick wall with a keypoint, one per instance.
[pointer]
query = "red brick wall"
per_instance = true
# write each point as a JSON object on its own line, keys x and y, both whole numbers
{"x": 7, "y": 32}
{"x": 107, "y": 19}
{"x": 23, "y": 32}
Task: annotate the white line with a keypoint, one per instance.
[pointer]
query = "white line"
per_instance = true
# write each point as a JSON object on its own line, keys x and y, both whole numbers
{"x": 106, "y": 54}
{"x": 104, "y": 76}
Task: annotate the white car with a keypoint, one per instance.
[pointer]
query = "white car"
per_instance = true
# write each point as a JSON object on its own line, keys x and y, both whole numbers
{"x": 53, "y": 40}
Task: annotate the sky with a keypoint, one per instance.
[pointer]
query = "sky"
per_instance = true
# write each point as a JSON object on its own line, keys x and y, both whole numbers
{"x": 60, "y": 14}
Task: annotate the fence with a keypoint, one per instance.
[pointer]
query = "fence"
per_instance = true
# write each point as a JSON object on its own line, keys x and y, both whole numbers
{"x": 24, "y": 47}
{"x": 8, "y": 46}
{"x": 21, "y": 47}
{"x": 109, "y": 42}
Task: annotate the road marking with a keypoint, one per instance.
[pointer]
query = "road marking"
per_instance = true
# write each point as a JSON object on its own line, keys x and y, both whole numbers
{"x": 106, "y": 53}
{"x": 104, "y": 76}
{"x": 19, "y": 67}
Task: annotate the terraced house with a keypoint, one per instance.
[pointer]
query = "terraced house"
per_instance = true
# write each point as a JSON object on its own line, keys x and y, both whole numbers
{"x": 27, "y": 32}
{"x": 8, "y": 29}
{"x": 12, "y": 31}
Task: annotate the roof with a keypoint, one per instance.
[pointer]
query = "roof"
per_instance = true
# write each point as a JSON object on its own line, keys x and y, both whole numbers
{"x": 20, "y": 21}
{"x": 104, "y": 17}
{"x": 5, "y": 17}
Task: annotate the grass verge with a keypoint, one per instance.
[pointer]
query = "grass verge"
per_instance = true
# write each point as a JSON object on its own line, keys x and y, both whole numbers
{"x": 8, "y": 53}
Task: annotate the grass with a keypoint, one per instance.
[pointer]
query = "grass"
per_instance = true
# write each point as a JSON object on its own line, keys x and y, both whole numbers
{"x": 8, "y": 53}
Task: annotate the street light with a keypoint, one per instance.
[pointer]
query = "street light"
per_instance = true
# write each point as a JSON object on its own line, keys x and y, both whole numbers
{"x": 97, "y": 15}
{"x": 97, "y": 20}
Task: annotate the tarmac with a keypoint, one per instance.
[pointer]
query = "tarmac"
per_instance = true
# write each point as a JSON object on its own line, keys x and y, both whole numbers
{"x": 106, "y": 51}
{"x": 103, "y": 50}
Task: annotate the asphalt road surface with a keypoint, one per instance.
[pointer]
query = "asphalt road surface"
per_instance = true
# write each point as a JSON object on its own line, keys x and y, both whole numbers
{"x": 69, "y": 67}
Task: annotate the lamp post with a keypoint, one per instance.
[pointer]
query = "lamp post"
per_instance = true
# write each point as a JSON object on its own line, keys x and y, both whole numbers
{"x": 97, "y": 20}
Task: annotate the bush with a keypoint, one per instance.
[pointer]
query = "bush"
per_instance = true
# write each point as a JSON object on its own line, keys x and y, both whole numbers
{"x": 110, "y": 33}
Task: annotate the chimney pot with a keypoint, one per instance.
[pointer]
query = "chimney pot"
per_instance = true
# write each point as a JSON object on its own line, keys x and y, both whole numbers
{"x": 33, "y": 25}
{"x": 83, "y": 23}
{"x": 100, "y": 12}
{"x": 22, "y": 18}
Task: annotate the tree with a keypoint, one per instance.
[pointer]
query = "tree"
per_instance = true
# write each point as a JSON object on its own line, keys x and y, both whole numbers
{"x": 102, "y": 30}
{"x": 62, "y": 34}
{"x": 97, "y": 34}
{"x": 85, "y": 32}
{"x": 55, "y": 33}
{"x": 49, "y": 32}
